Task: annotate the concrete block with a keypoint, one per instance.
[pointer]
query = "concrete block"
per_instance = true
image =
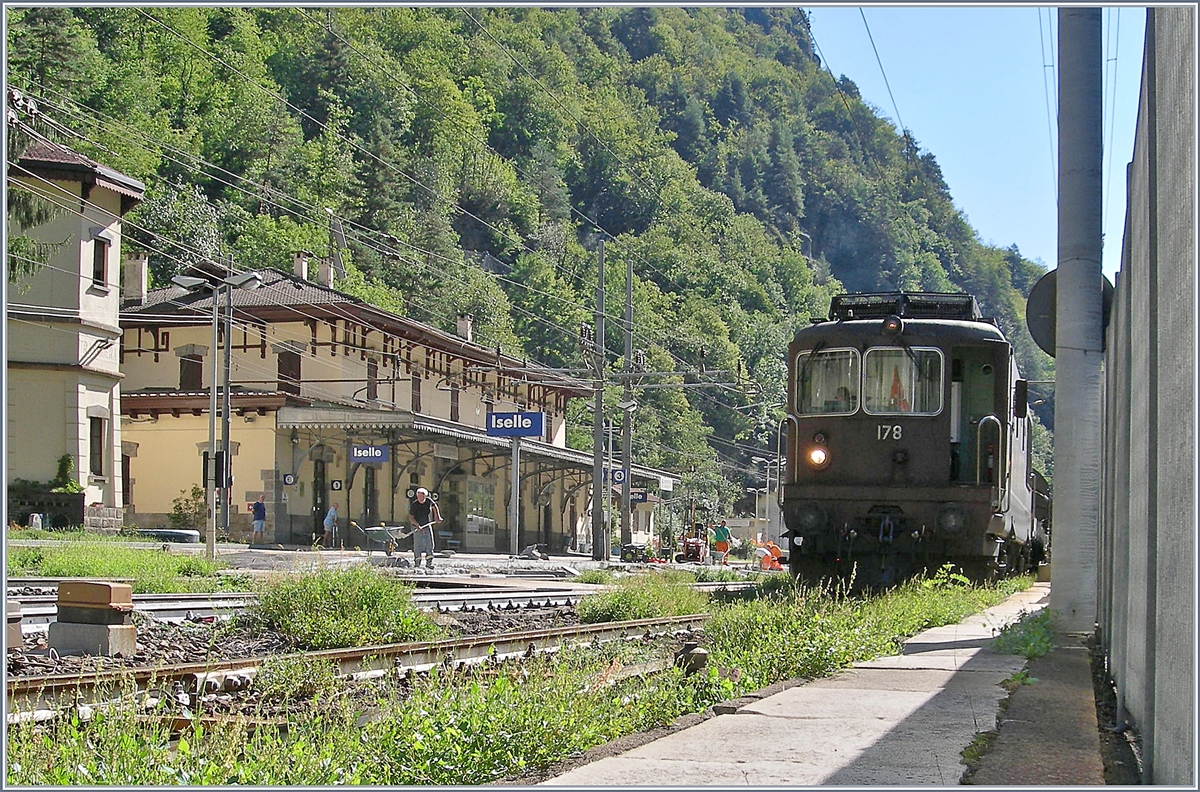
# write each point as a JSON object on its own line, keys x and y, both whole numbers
{"x": 1043, "y": 573}
{"x": 13, "y": 638}
{"x": 93, "y": 639}
{"x": 96, "y": 594}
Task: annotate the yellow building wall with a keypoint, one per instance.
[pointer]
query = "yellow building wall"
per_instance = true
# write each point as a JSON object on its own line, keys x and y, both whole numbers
{"x": 169, "y": 461}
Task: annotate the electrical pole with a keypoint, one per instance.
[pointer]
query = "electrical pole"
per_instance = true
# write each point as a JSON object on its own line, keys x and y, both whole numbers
{"x": 514, "y": 505}
{"x": 211, "y": 466}
{"x": 226, "y": 458}
{"x": 599, "y": 485}
{"x": 1077, "y": 412}
{"x": 627, "y": 423}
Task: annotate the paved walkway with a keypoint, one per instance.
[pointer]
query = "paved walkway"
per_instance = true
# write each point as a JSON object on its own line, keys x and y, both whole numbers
{"x": 903, "y": 719}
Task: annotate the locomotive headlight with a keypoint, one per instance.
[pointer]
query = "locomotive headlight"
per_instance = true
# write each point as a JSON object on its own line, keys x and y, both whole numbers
{"x": 893, "y": 326}
{"x": 952, "y": 519}
{"x": 818, "y": 457}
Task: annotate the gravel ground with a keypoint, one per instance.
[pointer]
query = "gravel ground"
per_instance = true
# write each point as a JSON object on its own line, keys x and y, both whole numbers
{"x": 1120, "y": 747}
{"x": 197, "y": 642}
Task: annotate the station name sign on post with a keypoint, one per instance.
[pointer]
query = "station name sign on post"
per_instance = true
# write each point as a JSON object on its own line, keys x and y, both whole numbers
{"x": 516, "y": 424}
{"x": 368, "y": 454}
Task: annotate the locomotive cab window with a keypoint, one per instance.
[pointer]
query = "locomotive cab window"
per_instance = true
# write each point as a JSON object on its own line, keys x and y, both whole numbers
{"x": 897, "y": 381}
{"x": 827, "y": 382}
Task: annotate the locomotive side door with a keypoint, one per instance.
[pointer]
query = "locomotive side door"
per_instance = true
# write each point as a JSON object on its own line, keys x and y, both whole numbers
{"x": 978, "y": 390}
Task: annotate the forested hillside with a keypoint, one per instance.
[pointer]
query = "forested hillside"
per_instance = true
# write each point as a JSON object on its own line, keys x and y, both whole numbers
{"x": 474, "y": 158}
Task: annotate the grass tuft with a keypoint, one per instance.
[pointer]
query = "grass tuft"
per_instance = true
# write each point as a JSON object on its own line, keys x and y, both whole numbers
{"x": 644, "y": 596}
{"x": 1030, "y": 636}
{"x": 338, "y": 608}
{"x": 152, "y": 571}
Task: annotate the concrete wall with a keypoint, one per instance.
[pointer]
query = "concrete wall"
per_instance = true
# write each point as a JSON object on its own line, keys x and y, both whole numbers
{"x": 1147, "y": 585}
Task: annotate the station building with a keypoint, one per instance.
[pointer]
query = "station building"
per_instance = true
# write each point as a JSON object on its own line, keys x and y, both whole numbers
{"x": 333, "y": 400}
{"x": 64, "y": 378}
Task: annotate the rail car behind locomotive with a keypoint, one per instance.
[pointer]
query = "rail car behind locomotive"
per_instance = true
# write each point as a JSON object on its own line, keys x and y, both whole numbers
{"x": 908, "y": 443}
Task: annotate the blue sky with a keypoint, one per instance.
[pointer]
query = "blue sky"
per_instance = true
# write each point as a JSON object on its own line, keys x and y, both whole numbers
{"x": 971, "y": 84}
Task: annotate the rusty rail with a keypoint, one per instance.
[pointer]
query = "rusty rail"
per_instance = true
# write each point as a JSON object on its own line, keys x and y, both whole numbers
{"x": 45, "y": 694}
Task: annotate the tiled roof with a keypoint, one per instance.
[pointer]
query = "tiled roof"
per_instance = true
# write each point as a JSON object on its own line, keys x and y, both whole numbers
{"x": 46, "y": 155}
{"x": 278, "y": 290}
{"x": 284, "y": 296}
{"x": 45, "y": 151}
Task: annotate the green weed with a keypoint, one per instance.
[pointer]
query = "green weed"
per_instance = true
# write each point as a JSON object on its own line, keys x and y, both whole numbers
{"x": 337, "y": 608}
{"x": 643, "y": 596}
{"x": 718, "y": 575}
{"x": 948, "y": 576}
{"x": 596, "y": 576}
{"x": 151, "y": 571}
{"x": 290, "y": 677}
{"x": 1030, "y": 636}
{"x": 973, "y": 754}
{"x": 1017, "y": 680}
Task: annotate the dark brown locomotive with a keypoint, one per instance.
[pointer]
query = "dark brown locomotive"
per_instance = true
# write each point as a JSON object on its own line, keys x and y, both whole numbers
{"x": 908, "y": 443}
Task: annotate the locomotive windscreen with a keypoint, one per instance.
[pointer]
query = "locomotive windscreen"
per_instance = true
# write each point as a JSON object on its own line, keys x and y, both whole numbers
{"x": 913, "y": 305}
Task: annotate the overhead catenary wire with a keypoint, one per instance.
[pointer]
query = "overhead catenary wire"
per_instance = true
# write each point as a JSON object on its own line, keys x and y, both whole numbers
{"x": 1112, "y": 57}
{"x": 278, "y": 97}
{"x": 881, "y": 69}
{"x": 201, "y": 317}
{"x": 1050, "y": 117}
{"x": 660, "y": 339}
{"x": 515, "y": 307}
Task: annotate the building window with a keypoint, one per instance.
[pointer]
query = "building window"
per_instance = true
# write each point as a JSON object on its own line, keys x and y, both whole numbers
{"x": 99, "y": 262}
{"x": 454, "y": 404}
{"x": 126, "y": 480}
{"x": 416, "y": 392}
{"x": 372, "y": 380}
{"x": 96, "y": 446}
{"x": 289, "y": 372}
{"x": 191, "y": 373}
{"x": 549, "y": 429}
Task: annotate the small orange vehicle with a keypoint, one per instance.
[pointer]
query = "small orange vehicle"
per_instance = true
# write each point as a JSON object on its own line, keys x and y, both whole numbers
{"x": 694, "y": 544}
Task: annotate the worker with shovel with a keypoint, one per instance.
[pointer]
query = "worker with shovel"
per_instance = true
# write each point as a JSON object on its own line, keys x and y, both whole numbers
{"x": 423, "y": 514}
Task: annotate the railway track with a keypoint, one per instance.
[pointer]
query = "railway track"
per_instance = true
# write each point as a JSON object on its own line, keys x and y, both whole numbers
{"x": 42, "y": 697}
{"x": 39, "y": 610}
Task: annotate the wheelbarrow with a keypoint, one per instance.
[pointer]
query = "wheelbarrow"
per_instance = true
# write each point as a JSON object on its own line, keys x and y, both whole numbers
{"x": 383, "y": 537}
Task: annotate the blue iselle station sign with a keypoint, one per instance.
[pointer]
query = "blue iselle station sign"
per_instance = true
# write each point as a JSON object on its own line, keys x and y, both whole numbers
{"x": 516, "y": 424}
{"x": 368, "y": 454}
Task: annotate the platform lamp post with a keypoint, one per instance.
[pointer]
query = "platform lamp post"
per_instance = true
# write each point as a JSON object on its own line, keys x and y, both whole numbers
{"x": 628, "y": 407}
{"x": 766, "y": 463}
{"x": 216, "y": 465}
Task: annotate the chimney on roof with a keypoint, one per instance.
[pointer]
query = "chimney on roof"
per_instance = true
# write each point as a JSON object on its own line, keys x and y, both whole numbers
{"x": 325, "y": 273}
{"x": 300, "y": 263}
{"x": 466, "y": 327}
{"x": 135, "y": 278}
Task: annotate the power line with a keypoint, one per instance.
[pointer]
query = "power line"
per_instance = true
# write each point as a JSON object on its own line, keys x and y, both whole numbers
{"x": 1112, "y": 122}
{"x": 881, "y": 69}
{"x": 303, "y": 113}
{"x": 1046, "y": 88}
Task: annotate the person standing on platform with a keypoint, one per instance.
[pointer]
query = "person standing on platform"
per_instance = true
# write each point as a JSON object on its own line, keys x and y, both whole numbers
{"x": 721, "y": 539}
{"x": 259, "y": 520}
{"x": 423, "y": 514}
{"x": 331, "y": 520}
